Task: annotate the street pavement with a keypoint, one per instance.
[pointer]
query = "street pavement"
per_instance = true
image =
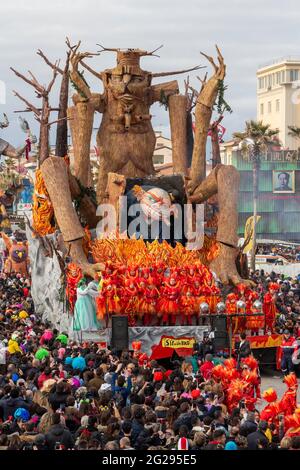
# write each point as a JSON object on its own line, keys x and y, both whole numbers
{"x": 271, "y": 378}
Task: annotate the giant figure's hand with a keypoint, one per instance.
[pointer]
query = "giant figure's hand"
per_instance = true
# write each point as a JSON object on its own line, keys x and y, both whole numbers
{"x": 78, "y": 257}
{"x": 225, "y": 268}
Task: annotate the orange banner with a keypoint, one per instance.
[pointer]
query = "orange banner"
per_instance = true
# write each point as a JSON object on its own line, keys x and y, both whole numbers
{"x": 265, "y": 341}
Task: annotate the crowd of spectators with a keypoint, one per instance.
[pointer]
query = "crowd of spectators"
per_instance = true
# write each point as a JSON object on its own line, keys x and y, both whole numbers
{"x": 58, "y": 394}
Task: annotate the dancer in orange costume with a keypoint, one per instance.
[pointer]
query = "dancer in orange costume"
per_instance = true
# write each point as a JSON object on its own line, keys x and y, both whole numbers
{"x": 271, "y": 410}
{"x": 159, "y": 272}
{"x": 242, "y": 292}
{"x": 253, "y": 323}
{"x": 198, "y": 298}
{"x": 141, "y": 300}
{"x": 231, "y": 309}
{"x": 168, "y": 304}
{"x": 130, "y": 301}
{"x": 288, "y": 402}
{"x": 110, "y": 291}
{"x": 191, "y": 275}
{"x": 101, "y": 306}
{"x": 182, "y": 275}
{"x": 209, "y": 294}
{"x": 213, "y": 298}
{"x": 269, "y": 307}
{"x": 187, "y": 306}
{"x": 152, "y": 296}
{"x": 131, "y": 274}
{"x": 252, "y": 381}
{"x": 73, "y": 276}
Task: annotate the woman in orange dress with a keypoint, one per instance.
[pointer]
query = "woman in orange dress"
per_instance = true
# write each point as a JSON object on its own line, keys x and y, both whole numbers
{"x": 187, "y": 306}
{"x": 130, "y": 301}
{"x": 152, "y": 296}
{"x": 168, "y": 304}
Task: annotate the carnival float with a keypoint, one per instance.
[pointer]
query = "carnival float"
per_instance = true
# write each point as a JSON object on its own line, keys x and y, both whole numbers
{"x": 88, "y": 265}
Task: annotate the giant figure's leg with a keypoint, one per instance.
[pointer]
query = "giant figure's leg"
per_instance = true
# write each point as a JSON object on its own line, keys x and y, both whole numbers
{"x": 224, "y": 181}
{"x": 56, "y": 179}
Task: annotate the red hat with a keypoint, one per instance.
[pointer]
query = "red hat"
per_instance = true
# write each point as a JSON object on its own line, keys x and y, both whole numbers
{"x": 136, "y": 345}
{"x": 251, "y": 362}
{"x": 230, "y": 363}
{"x": 241, "y": 287}
{"x": 195, "y": 394}
{"x": 274, "y": 286}
{"x": 231, "y": 297}
{"x": 158, "y": 376}
{"x": 269, "y": 395}
{"x": 291, "y": 380}
{"x": 252, "y": 295}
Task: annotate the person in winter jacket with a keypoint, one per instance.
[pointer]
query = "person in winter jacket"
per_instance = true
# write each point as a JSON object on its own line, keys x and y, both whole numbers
{"x": 10, "y": 404}
{"x": 258, "y": 436}
{"x": 287, "y": 349}
{"x": 58, "y": 435}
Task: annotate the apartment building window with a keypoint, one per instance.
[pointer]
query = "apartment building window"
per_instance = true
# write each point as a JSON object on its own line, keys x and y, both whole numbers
{"x": 294, "y": 75}
{"x": 282, "y": 76}
{"x": 261, "y": 109}
{"x": 158, "y": 159}
{"x": 260, "y": 83}
{"x": 269, "y": 78}
{"x": 277, "y": 81}
{"x": 277, "y": 106}
{"x": 269, "y": 106}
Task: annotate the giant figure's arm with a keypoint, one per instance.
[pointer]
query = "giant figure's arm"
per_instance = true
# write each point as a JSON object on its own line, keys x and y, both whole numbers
{"x": 12, "y": 152}
{"x": 203, "y": 113}
{"x": 81, "y": 118}
{"x": 168, "y": 93}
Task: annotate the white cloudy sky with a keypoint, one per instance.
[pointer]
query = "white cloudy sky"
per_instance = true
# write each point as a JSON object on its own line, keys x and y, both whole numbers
{"x": 249, "y": 33}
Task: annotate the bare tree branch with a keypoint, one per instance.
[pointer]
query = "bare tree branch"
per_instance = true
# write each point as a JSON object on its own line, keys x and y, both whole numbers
{"x": 74, "y": 48}
{"x": 186, "y": 84}
{"x": 58, "y": 120}
{"x": 177, "y": 72}
{"x": 98, "y": 75}
{"x": 41, "y": 54}
{"x": 29, "y": 110}
{"x": 105, "y": 49}
{"x": 195, "y": 92}
{"x": 34, "y": 80}
{"x": 203, "y": 82}
{"x": 36, "y": 111}
{"x": 55, "y": 71}
{"x": 155, "y": 50}
{"x": 211, "y": 60}
{"x": 27, "y": 80}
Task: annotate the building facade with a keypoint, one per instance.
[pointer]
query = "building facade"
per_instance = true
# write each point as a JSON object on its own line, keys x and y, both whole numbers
{"x": 279, "y": 192}
{"x": 278, "y": 98}
{"x": 162, "y": 155}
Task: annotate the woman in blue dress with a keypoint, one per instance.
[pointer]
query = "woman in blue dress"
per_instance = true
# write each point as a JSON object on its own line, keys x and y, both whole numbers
{"x": 85, "y": 307}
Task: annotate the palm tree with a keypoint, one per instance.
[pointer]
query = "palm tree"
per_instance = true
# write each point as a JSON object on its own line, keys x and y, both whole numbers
{"x": 254, "y": 142}
{"x": 294, "y": 131}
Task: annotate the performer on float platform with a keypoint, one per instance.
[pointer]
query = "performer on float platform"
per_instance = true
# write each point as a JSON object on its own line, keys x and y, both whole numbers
{"x": 85, "y": 308}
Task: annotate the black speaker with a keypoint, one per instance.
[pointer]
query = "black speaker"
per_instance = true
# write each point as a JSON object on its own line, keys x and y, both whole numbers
{"x": 219, "y": 326}
{"x": 119, "y": 333}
